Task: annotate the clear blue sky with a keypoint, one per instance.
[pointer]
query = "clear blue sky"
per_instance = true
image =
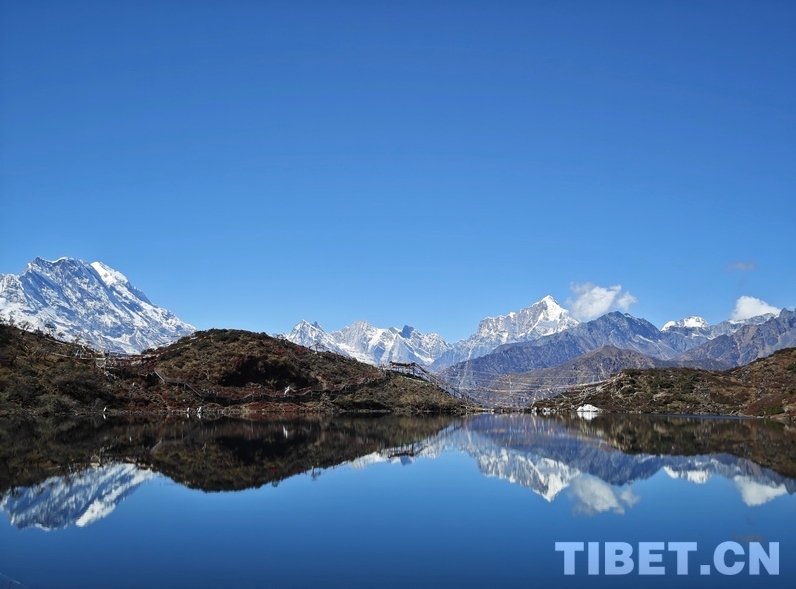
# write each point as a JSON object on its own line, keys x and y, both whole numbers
{"x": 249, "y": 164}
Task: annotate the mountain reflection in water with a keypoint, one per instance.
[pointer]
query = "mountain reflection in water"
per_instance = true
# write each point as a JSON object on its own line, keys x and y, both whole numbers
{"x": 54, "y": 476}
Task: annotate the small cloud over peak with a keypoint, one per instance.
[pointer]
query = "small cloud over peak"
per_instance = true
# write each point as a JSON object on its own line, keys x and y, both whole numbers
{"x": 591, "y": 300}
{"x": 748, "y": 307}
{"x": 748, "y": 266}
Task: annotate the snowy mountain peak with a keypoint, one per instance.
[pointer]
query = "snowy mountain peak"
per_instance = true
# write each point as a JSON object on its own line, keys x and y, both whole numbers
{"x": 375, "y": 345}
{"x": 94, "y": 302}
{"x": 542, "y": 318}
{"x": 692, "y": 322}
{"x": 306, "y": 325}
{"x": 549, "y": 301}
{"x": 372, "y": 345}
{"x": 109, "y": 275}
{"x": 312, "y": 335}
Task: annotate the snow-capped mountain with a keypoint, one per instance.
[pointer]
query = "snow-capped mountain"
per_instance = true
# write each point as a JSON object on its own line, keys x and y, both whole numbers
{"x": 543, "y": 318}
{"x": 687, "y": 323}
{"x": 615, "y": 329}
{"x": 312, "y": 335}
{"x": 694, "y": 331}
{"x": 697, "y": 325}
{"x": 71, "y": 298}
{"x": 370, "y": 344}
{"x": 376, "y": 345}
{"x": 79, "y": 499}
{"x": 686, "y": 343}
{"x": 545, "y": 324}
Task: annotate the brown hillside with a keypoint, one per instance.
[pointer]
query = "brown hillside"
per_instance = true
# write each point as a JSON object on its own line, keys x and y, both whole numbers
{"x": 766, "y": 387}
{"x": 217, "y": 370}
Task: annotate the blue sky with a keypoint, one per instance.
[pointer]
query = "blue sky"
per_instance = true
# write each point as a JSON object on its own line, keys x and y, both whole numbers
{"x": 250, "y": 164}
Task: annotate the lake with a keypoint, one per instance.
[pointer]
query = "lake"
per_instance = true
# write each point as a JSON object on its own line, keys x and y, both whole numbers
{"x": 390, "y": 501}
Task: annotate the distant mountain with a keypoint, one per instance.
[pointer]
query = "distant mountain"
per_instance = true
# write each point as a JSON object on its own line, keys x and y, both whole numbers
{"x": 376, "y": 345}
{"x": 593, "y": 366}
{"x": 71, "y": 299}
{"x": 372, "y": 345}
{"x": 748, "y": 343}
{"x": 694, "y": 331}
{"x": 543, "y": 318}
{"x": 612, "y": 329}
{"x": 689, "y": 343}
{"x": 544, "y": 325}
{"x": 312, "y": 335}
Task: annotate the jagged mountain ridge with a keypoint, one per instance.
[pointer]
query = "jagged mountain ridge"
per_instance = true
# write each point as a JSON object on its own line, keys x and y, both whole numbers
{"x": 748, "y": 343}
{"x": 372, "y": 345}
{"x": 375, "y": 345}
{"x": 619, "y": 330}
{"x": 692, "y": 332}
{"x": 532, "y": 325}
{"x": 71, "y": 298}
{"x": 544, "y": 318}
{"x": 750, "y": 340}
{"x": 98, "y": 304}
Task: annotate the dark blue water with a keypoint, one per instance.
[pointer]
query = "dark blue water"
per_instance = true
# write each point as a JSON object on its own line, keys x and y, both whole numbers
{"x": 479, "y": 502}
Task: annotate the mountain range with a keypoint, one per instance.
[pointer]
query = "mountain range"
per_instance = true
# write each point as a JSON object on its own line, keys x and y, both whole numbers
{"x": 96, "y": 304}
{"x": 379, "y": 345}
{"x": 70, "y": 299}
{"x": 370, "y": 344}
{"x": 570, "y": 349}
{"x": 542, "y": 347}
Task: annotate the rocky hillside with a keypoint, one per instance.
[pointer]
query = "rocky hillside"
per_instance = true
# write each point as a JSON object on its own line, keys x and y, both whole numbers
{"x": 217, "y": 370}
{"x": 766, "y": 387}
{"x": 591, "y": 367}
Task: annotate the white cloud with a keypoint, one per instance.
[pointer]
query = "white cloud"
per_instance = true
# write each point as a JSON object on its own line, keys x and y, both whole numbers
{"x": 743, "y": 266}
{"x": 746, "y": 307}
{"x": 591, "y": 300}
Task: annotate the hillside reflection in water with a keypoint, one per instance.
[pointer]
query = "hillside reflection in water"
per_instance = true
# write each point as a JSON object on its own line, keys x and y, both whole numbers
{"x": 685, "y": 478}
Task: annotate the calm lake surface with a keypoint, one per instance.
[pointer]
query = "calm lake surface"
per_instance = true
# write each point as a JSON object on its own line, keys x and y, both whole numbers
{"x": 390, "y": 501}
